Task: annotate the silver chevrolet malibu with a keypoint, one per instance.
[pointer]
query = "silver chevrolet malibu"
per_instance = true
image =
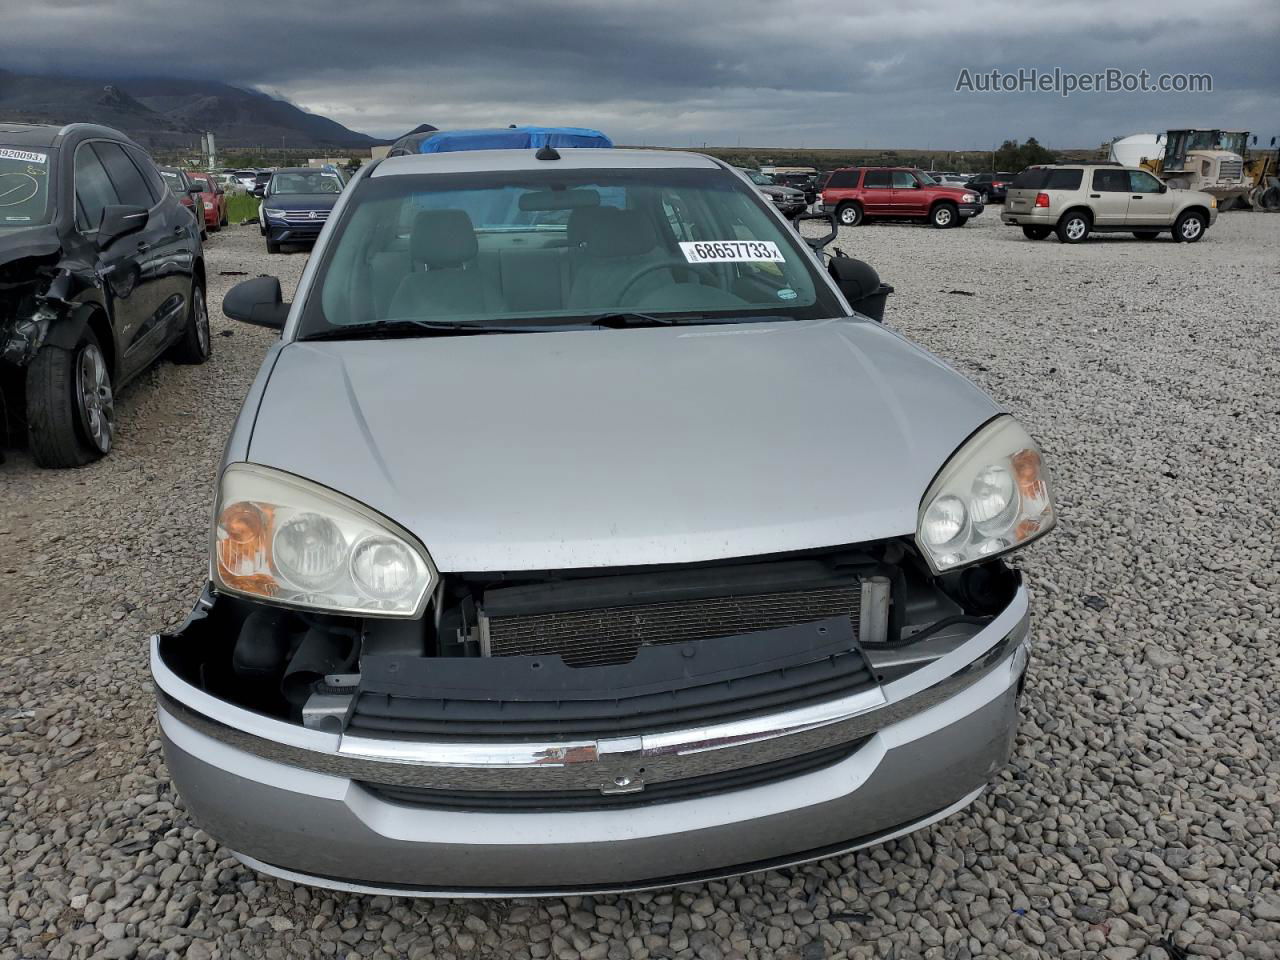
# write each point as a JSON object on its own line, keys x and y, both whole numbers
{"x": 582, "y": 532}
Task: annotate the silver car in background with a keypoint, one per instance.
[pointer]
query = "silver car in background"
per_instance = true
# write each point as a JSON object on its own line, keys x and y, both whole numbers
{"x": 578, "y": 535}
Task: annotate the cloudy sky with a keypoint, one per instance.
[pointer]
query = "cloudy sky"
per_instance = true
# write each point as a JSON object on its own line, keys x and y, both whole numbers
{"x": 840, "y": 73}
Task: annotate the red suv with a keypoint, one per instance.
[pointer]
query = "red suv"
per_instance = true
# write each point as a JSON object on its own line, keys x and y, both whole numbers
{"x": 856, "y": 194}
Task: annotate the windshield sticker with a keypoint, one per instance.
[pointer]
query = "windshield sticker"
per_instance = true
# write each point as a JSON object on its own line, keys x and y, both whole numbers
{"x": 8, "y": 154}
{"x": 786, "y": 293}
{"x": 732, "y": 251}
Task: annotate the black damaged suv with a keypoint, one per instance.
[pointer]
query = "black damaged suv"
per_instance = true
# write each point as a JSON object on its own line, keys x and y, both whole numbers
{"x": 101, "y": 272}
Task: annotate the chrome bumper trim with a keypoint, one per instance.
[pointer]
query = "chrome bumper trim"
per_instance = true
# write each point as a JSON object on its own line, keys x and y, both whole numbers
{"x": 603, "y": 763}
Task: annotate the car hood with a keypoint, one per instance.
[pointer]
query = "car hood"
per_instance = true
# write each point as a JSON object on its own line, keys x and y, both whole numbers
{"x": 948, "y": 190}
{"x": 302, "y": 201}
{"x": 772, "y": 190}
{"x": 37, "y": 240}
{"x": 623, "y": 447}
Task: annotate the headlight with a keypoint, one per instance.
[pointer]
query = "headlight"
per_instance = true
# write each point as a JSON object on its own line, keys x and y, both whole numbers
{"x": 992, "y": 496}
{"x": 969, "y": 198}
{"x": 278, "y": 537}
{"x": 279, "y": 214}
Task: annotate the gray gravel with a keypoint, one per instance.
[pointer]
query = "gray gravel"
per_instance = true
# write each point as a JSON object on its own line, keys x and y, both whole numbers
{"x": 1137, "y": 819}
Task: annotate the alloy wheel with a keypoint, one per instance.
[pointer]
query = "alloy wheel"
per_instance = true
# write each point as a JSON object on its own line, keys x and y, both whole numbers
{"x": 201, "y": 319}
{"x": 1191, "y": 228}
{"x": 1075, "y": 228}
{"x": 93, "y": 396}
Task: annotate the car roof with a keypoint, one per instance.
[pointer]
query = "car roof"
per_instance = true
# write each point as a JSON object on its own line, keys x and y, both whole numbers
{"x": 50, "y": 134}
{"x": 571, "y": 158}
{"x": 302, "y": 170}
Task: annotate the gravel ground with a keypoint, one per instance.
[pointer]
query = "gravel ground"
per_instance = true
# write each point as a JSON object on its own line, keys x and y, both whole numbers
{"x": 1137, "y": 818}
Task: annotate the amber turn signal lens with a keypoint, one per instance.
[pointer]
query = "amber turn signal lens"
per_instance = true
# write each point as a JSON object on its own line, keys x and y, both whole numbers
{"x": 244, "y": 547}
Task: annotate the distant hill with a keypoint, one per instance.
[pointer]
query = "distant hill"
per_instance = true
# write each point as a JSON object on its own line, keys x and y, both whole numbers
{"x": 167, "y": 112}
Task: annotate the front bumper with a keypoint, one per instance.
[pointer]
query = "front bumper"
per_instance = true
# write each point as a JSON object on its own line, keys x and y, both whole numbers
{"x": 971, "y": 209}
{"x": 291, "y": 801}
{"x": 293, "y": 232}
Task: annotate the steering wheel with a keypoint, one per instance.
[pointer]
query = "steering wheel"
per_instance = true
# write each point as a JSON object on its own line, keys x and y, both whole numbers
{"x": 665, "y": 265}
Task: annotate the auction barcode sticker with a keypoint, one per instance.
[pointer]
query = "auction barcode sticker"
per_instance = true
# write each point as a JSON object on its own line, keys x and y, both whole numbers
{"x": 8, "y": 154}
{"x": 732, "y": 251}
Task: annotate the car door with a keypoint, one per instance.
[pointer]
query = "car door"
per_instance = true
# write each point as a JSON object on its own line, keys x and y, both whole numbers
{"x": 130, "y": 294}
{"x": 155, "y": 253}
{"x": 1150, "y": 202}
{"x": 907, "y": 195}
{"x": 877, "y": 192}
{"x": 1109, "y": 196}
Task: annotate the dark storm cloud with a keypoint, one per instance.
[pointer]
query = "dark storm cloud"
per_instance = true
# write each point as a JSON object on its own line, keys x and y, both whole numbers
{"x": 761, "y": 73}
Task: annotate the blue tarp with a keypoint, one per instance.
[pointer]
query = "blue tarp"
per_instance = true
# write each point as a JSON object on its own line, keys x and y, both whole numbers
{"x": 513, "y": 138}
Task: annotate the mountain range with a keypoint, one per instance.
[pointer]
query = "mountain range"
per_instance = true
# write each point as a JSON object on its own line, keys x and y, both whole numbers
{"x": 171, "y": 113}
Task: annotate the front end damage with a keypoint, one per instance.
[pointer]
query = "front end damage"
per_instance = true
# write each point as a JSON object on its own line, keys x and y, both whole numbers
{"x": 35, "y": 296}
{"x": 596, "y": 730}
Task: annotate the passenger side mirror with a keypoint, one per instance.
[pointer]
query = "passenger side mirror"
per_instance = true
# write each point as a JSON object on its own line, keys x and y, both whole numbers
{"x": 257, "y": 301}
{"x": 1164, "y": 188}
{"x": 861, "y": 286}
{"x": 817, "y": 243}
{"x": 120, "y": 221}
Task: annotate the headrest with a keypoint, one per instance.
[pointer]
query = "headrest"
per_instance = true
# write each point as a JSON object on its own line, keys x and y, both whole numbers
{"x": 443, "y": 238}
{"x": 610, "y": 232}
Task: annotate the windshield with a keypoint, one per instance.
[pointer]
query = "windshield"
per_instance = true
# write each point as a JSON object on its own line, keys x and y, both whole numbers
{"x": 24, "y": 186}
{"x": 317, "y": 182}
{"x": 760, "y": 179}
{"x": 562, "y": 247}
{"x": 927, "y": 180}
{"x": 174, "y": 179}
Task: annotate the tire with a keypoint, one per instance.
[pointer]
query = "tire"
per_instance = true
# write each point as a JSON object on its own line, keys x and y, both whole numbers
{"x": 1036, "y": 233}
{"x": 984, "y": 197}
{"x": 1074, "y": 227}
{"x": 224, "y": 222}
{"x": 943, "y": 216}
{"x": 849, "y": 215}
{"x": 70, "y": 404}
{"x": 273, "y": 247}
{"x": 1146, "y": 234}
{"x": 197, "y": 342}
{"x": 1189, "y": 227}
{"x": 961, "y": 221}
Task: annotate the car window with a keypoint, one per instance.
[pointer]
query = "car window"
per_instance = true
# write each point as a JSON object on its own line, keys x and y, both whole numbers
{"x": 125, "y": 178}
{"x": 1111, "y": 181}
{"x": 561, "y": 246}
{"x": 1142, "y": 182}
{"x": 150, "y": 173}
{"x": 843, "y": 178}
{"x": 903, "y": 180}
{"x": 24, "y": 186}
{"x": 877, "y": 180}
{"x": 94, "y": 191}
{"x": 1064, "y": 179}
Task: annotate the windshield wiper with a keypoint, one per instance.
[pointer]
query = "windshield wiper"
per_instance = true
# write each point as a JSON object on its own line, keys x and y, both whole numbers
{"x": 394, "y": 329}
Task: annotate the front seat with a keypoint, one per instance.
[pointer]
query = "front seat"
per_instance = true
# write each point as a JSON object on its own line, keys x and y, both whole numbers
{"x": 446, "y": 280}
{"x": 610, "y": 246}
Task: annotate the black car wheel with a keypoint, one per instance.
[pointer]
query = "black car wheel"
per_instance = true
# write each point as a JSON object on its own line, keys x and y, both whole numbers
{"x": 70, "y": 404}
{"x": 196, "y": 343}
{"x": 849, "y": 214}
{"x": 1189, "y": 227}
{"x": 1074, "y": 227}
{"x": 1035, "y": 233}
{"x": 272, "y": 246}
{"x": 984, "y": 197}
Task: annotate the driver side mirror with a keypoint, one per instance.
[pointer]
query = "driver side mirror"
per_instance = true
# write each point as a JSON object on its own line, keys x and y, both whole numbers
{"x": 120, "y": 221}
{"x": 1164, "y": 188}
{"x": 257, "y": 301}
{"x": 861, "y": 286}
